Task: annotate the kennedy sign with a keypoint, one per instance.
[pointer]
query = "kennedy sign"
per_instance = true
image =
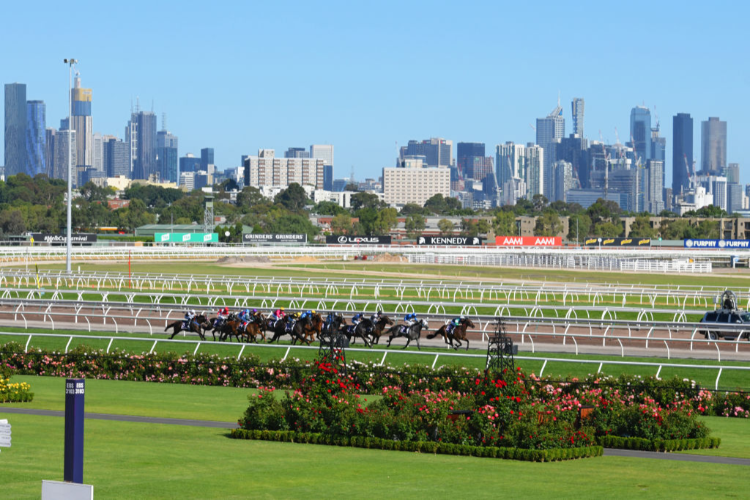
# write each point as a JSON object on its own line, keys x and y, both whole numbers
{"x": 456, "y": 241}
{"x": 358, "y": 240}
{"x": 61, "y": 239}
{"x": 719, "y": 244}
{"x": 274, "y": 238}
{"x": 528, "y": 241}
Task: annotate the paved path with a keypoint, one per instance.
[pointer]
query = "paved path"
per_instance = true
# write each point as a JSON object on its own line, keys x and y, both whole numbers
{"x": 608, "y": 452}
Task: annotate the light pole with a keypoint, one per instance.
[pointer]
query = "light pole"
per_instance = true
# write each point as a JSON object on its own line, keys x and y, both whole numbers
{"x": 69, "y": 245}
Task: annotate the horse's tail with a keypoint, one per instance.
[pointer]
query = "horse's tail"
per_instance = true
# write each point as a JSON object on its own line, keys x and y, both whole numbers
{"x": 433, "y": 335}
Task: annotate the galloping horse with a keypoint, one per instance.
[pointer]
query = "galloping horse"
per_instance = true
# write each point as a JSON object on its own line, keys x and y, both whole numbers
{"x": 313, "y": 325}
{"x": 197, "y": 325}
{"x": 255, "y": 328}
{"x": 232, "y": 327}
{"x": 378, "y": 328}
{"x": 297, "y": 332}
{"x": 458, "y": 334}
{"x": 412, "y": 333}
{"x": 361, "y": 330}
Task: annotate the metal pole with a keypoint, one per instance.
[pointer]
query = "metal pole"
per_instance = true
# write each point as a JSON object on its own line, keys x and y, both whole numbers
{"x": 69, "y": 244}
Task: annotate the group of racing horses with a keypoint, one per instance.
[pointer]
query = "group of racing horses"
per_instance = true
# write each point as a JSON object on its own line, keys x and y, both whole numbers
{"x": 307, "y": 329}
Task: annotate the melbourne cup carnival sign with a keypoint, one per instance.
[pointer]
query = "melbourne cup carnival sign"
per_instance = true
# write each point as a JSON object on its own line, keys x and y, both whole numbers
{"x": 456, "y": 241}
{"x": 720, "y": 244}
{"x": 528, "y": 241}
{"x": 274, "y": 238}
{"x": 358, "y": 240}
{"x": 617, "y": 242}
{"x": 61, "y": 239}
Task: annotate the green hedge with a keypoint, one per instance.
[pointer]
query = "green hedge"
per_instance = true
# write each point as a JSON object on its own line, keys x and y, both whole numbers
{"x": 551, "y": 455}
{"x": 665, "y": 445}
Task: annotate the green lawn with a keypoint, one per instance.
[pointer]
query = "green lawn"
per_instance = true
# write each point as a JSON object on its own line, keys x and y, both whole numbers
{"x": 135, "y": 461}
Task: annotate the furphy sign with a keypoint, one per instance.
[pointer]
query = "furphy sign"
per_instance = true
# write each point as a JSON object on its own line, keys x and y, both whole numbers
{"x": 186, "y": 237}
{"x": 617, "y": 242}
{"x": 457, "y": 241}
{"x": 61, "y": 239}
{"x": 528, "y": 241}
{"x": 274, "y": 238}
{"x": 358, "y": 240}
{"x": 720, "y": 244}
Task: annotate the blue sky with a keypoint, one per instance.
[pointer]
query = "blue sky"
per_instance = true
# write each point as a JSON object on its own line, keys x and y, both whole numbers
{"x": 239, "y": 76}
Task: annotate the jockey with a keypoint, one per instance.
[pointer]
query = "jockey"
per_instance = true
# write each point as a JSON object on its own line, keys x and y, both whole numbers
{"x": 222, "y": 315}
{"x": 278, "y": 314}
{"x": 410, "y": 320}
{"x": 357, "y": 319}
{"x": 453, "y": 324}
{"x": 376, "y": 317}
{"x": 255, "y": 316}
{"x": 189, "y": 315}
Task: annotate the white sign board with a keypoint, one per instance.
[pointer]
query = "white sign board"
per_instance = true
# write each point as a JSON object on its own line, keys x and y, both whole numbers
{"x": 4, "y": 433}
{"x": 56, "y": 490}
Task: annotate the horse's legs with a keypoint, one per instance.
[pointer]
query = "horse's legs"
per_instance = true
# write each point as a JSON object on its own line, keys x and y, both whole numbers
{"x": 467, "y": 344}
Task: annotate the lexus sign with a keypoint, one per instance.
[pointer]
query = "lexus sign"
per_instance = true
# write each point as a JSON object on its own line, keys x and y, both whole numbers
{"x": 358, "y": 240}
{"x": 528, "y": 241}
{"x": 456, "y": 241}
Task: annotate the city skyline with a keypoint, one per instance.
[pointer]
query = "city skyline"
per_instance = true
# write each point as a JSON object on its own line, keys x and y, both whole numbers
{"x": 353, "y": 104}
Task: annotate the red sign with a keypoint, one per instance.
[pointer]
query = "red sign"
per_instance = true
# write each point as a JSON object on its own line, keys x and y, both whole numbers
{"x": 528, "y": 241}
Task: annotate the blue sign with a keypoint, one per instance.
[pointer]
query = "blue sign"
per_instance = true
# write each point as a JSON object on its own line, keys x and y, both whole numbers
{"x": 74, "y": 393}
{"x": 720, "y": 244}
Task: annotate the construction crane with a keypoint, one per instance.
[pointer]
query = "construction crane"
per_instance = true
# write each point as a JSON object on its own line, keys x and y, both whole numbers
{"x": 687, "y": 170}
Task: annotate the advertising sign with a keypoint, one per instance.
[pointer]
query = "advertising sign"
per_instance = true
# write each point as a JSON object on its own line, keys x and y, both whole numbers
{"x": 358, "y": 240}
{"x": 717, "y": 244}
{"x": 186, "y": 237}
{"x": 274, "y": 238}
{"x": 61, "y": 239}
{"x": 618, "y": 242}
{"x": 456, "y": 241}
{"x": 528, "y": 241}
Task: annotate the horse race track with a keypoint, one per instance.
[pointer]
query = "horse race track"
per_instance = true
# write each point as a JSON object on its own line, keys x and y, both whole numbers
{"x": 144, "y": 460}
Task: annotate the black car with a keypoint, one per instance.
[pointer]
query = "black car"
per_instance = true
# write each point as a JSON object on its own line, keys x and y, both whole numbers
{"x": 725, "y": 317}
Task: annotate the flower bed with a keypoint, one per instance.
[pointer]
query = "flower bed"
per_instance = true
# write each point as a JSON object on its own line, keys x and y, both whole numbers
{"x": 13, "y": 392}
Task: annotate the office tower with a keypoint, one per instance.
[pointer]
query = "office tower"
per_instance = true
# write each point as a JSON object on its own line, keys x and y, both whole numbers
{"x": 414, "y": 183}
{"x": 324, "y": 152}
{"x": 510, "y": 162}
{"x": 65, "y": 141}
{"x": 187, "y": 181}
{"x": 535, "y": 171}
{"x": 547, "y": 130}
{"x": 294, "y": 153}
{"x": 207, "y": 158}
{"x": 36, "y": 138}
{"x": 713, "y": 146}
{"x": 339, "y": 184}
{"x": 15, "y": 129}
{"x": 328, "y": 177}
{"x": 733, "y": 173}
{"x": 469, "y": 155}
{"x": 190, "y": 163}
{"x": 141, "y": 135}
{"x": 167, "y": 157}
{"x": 640, "y": 133}
{"x": 116, "y": 157}
{"x": 574, "y": 150}
{"x": 654, "y": 187}
{"x": 97, "y": 152}
{"x": 265, "y": 170}
{"x": 718, "y": 187}
{"x": 437, "y": 152}
{"x": 682, "y": 152}
{"x": 734, "y": 197}
{"x": 564, "y": 180}
{"x": 82, "y": 123}
{"x": 578, "y": 108}
{"x": 49, "y": 153}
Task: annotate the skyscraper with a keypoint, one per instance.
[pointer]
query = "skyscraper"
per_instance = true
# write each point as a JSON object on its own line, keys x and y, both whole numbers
{"x": 733, "y": 173}
{"x": 325, "y": 153}
{"x": 294, "y": 153}
{"x": 535, "y": 171}
{"x": 116, "y": 157}
{"x": 141, "y": 135}
{"x": 15, "y": 129}
{"x": 97, "y": 152}
{"x": 207, "y": 158}
{"x": 437, "y": 152}
{"x": 547, "y": 130}
{"x": 49, "y": 153}
{"x": 713, "y": 146}
{"x": 682, "y": 152}
{"x": 189, "y": 163}
{"x": 166, "y": 150}
{"x": 510, "y": 162}
{"x": 640, "y": 133}
{"x": 578, "y": 109}
{"x": 654, "y": 189}
{"x": 65, "y": 141}
{"x": 82, "y": 123}
{"x": 470, "y": 157}
{"x": 36, "y": 138}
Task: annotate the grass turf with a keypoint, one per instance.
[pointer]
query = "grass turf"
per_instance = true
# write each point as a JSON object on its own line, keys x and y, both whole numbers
{"x": 133, "y": 460}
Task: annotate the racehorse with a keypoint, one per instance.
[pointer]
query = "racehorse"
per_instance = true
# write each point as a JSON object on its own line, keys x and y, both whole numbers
{"x": 296, "y": 332}
{"x": 333, "y": 324}
{"x": 312, "y": 326}
{"x": 231, "y": 327}
{"x": 378, "y": 328}
{"x": 458, "y": 334}
{"x": 197, "y": 325}
{"x": 255, "y": 328}
{"x": 412, "y": 333}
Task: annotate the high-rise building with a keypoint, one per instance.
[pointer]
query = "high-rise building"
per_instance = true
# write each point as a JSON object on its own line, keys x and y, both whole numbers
{"x": 116, "y": 157}
{"x": 190, "y": 163}
{"x": 654, "y": 189}
{"x": 323, "y": 152}
{"x": 734, "y": 197}
{"x": 682, "y": 152}
{"x": 167, "y": 157}
{"x": 49, "y": 153}
{"x": 141, "y": 135}
{"x": 535, "y": 171}
{"x": 207, "y": 158}
{"x": 267, "y": 170}
{"x": 294, "y": 153}
{"x": 733, "y": 173}
{"x": 414, "y": 183}
{"x": 82, "y": 123}
{"x": 547, "y": 130}
{"x": 65, "y": 155}
{"x": 564, "y": 180}
{"x": 437, "y": 152}
{"x": 713, "y": 146}
{"x": 574, "y": 150}
{"x": 510, "y": 162}
{"x": 97, "y": 152}
{"x": 578, "y": 109}
{"x": 36, "y": 138}
{"x": 15, "y": 129}
{"x": 469, "y": 155}
{"x": 640, "y": 133}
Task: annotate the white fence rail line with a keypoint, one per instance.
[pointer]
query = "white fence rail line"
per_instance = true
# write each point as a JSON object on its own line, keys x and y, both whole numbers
{"x": 385, "y": 352}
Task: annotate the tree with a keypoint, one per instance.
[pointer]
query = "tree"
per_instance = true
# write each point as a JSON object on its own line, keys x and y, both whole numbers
{"x": 469, "y": 228}
{"x": 292, "y": 198}
{"x": 413, "y": 208}
{"x": 12, "y": 222}
{"x": 641, "y": 227}
{"x": 414, "y": 225}
{"x": 446, "y": 227}
{"x": 607, "y": 230}
{"x": 341, "y": 224}
{"x": 440, "y": 205}
{"x": 293, "y": 224}
{"x": 581, "y": 230}
{"x": 249, "y": 197}
{"x": 505, "y": 224}
{"x": 539, "y": 201}
{"x": 483, "y": 226}
{"x": 711, "y": 211}
{"x": 387, "y": 220}
{"x": 365, "y": 200}
{"x": 368, "y": 221}
{"x": 351, "y": 186}
{"x": 548, "y": 224}
{"x": 329, "y": 208}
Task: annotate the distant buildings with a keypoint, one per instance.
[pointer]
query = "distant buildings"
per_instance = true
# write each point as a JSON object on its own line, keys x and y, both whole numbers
{"x": 547, "y": 131}
{"x": 325, "y": 153}
{"x": 682, "y": 152}
{"x": 640, "y": 133}
{"x": 267, "y": 170}
{"x": 713, "y": 146}
{"x": 189, "y": 163}
{"x": 413, "y": 182}
{"x": 296, "y": 153}
{"x": 15, "y": 129}
{"x": 167, "y": 156}
{"x": 82, "y": 123}
{"x": 36, "y": 138}
{"x": 437, "y": 152}
{"x": 116, "y": 157}
{"x": 141, "y": 135}
{"x": 577, "y": 108}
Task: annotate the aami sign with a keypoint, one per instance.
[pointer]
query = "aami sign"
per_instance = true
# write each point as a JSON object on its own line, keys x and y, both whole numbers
{"x": 528, "y": 241}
